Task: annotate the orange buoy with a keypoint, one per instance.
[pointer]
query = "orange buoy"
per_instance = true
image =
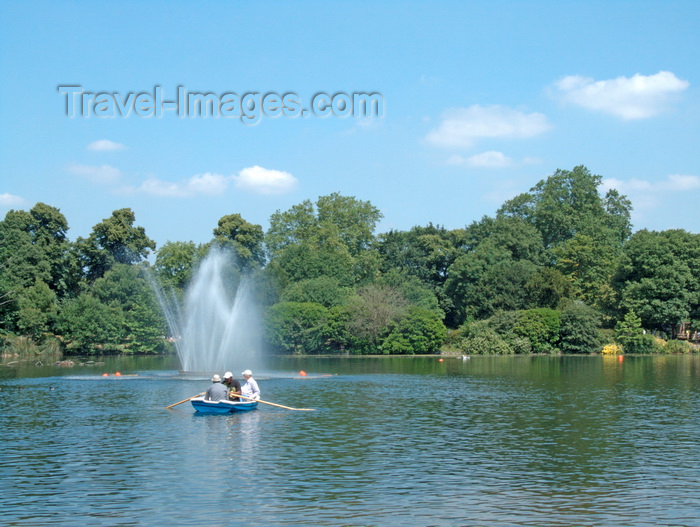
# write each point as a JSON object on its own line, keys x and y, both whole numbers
{"x": 302, "y": 373}
{"x": 117, "y": 374}
{"x": 439, "y": 360}
{"x": 105, "y": 375}
{"x": 620, "y": 358}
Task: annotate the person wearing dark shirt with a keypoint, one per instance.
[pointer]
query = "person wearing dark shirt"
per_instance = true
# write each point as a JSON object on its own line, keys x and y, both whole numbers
{"x": 233, "y": 385}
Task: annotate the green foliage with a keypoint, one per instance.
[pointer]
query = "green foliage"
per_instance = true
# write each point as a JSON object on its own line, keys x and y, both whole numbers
{"x": 126, "y": 289}
{"x": 37, "y": 311}
{"x": 296, "y": 327}
{"x": 659, "y": 278}
{"x": 330, "y": 286}
{"x": 49, "y": 349}
{"x": 502, "y": 287}
{"x": 520, "y": 239}
{"x": 568, "y": 203}
{"x": 175, "y": 262}
{"x": 589, "y": 265}
{"x": 414, "y": 291}
{"x": 464, "y": 281}
{"x": 541, "y": 327}
{"x": 33, "y": 248}
{"x": 502, "y": 323}
{"x": 498, "y": 271}
{"x": 245, "y": 238}
{"x": 335, "y": 220}
{"x": 580, "y": 329}
{"x": 372, "y": 314}
{"x": 350, "y": 219}
{"x": 89, "y": 327}
{"x": 113, "y": 240}
{"x": 480, "y": 339}
{"x": 423, "y": 252}
{"x": 306, "y": 262}
{"x": 421, "y": 331}
{"x": 678, "y": 346}
{"x": 323, "y": 290}
{"x": 547, "y": 287}
{"x": 632, "y": 337}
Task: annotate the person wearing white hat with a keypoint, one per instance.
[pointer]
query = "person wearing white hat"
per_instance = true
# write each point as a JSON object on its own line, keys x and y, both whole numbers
{"x": 233, "y": 385}
{"x": 250, "y": 388}
{"x": 216, "y": 391}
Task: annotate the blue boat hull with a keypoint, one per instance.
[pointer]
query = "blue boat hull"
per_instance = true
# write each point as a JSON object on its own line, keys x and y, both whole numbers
{"x": 222, "y": 407}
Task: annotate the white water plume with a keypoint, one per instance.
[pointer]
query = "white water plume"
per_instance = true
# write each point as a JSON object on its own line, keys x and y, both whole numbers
{"x": 217, "y": 326}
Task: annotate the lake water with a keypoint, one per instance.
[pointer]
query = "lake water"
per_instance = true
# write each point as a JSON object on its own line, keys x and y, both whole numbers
{"x": 407, "y": 441}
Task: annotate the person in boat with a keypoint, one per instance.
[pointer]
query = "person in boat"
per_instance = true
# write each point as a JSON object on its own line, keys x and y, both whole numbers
{"x": 233, "y": 386}
{"x": 250, "y": 388}
{"x": 216, "y": 391}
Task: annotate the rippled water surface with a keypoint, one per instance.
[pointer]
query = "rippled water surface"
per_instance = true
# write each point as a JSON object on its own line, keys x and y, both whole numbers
{"x": 492, "y": 441}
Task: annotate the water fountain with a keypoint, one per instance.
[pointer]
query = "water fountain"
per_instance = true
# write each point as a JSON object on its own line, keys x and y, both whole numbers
{"x": 216, "y": 327}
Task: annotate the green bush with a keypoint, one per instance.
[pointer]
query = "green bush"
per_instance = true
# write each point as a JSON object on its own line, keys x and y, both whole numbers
{"x": 580, "y": 329}
{"x": 678, "y": 346}
{"x": 540, "y": 327}
{"x": 521, "y": 346}
{"x": 633, "y": 338}
{"x": 480, "y": 339}
{"x": 297, "y": 327}
{"x": 89, "y": 327}
{"x": 421, "y": 331}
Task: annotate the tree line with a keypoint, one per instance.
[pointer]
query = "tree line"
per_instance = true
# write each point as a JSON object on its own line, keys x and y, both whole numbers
{"x": 555, "y": 270}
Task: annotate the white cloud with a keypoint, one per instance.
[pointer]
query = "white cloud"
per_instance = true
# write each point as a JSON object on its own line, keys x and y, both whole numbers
{"x": 254, "y": 179}
{"x": 265, "y": 181}
{"x": 209, "y": 184}
{"x": 158, "y": 187}
{"x": 637, "y": 97}
{"x": 10, "y": 200}
{"x": 200, "y": 184}
{"x": 103, "y": 174}
{"x": 490, "y": 159}
{"x": 672, "y": 183}
{"x": 461, "y": 127}
{"x": 653, "y": 195}
{"x": 678, "y": 182}
{"x": 105, "y": 145}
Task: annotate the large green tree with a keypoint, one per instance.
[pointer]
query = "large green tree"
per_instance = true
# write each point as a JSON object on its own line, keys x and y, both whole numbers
{"x": 589, "y": 264}
{"x": 580, "y": 329}
{"x": 175, "y": 262}
{"x": 37, "y": 311}
{"x": 86, "y": 326}
{"x": 420, "y": 331}
{"x": 424, "y": 252}
{"x": 296, "y": 327}
{"x": 113, "y": 240}
{"x": 659, "y": 278}
{"x": 125, "y": 288}
{"x": 334, "y": 219}
{"x": 246, "y": 239}
{"x": 568, "y": 203}
{"x": 33, "y": 248}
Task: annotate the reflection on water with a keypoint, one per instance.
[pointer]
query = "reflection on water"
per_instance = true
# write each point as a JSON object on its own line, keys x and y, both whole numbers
{"x": 394, "y": 441}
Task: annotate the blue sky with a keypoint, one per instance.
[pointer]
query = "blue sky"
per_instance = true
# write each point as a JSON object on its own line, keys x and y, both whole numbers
{"x": 480, "y": 100}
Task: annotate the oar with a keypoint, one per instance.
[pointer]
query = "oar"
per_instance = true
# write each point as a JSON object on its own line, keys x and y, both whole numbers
{"x": 278, "y": 405}
{"x": 185, "y": 400}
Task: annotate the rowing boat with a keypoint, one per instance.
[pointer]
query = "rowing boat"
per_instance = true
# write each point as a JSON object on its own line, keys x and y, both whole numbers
{"x": 221, "y": 407}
